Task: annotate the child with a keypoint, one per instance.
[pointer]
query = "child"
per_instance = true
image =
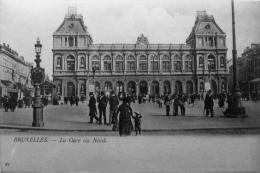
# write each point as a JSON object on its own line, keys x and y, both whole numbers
{"x": 137, "y": 119}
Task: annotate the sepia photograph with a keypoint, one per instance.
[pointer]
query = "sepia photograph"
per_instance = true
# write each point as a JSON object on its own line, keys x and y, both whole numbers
{"x": 129, "y": 86}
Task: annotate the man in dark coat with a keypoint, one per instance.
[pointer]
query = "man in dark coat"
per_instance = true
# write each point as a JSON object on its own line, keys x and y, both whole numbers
{"x": 6, "y": 103}
{"x": 175, "y": 105}
{"x": 113, "y": 104}
{"x": 77, "y": 100}
{"x": 167, "y": 103}
{"x": 102, "y": 104}
{"x": 92, "y": 108}
{"x": 209, "y": 103}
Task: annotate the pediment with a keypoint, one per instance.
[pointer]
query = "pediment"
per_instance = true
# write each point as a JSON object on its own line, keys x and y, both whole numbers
{"x": 208, "y": 28}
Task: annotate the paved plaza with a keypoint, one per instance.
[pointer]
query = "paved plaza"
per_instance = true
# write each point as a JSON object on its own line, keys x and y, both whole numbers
{"x": 65, "y": 117}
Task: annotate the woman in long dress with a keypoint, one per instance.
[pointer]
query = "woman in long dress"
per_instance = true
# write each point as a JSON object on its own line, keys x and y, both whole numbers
{"x": 125, "y": 123}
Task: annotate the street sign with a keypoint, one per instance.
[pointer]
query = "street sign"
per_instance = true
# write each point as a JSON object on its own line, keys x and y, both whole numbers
{"x": 37, "y": 75}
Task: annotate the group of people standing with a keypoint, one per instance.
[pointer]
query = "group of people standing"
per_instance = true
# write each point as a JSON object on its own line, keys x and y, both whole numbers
{"x": 72, "y": 100}
{"x": 124, "y": 123}
{"x": 9, "y": 103}
{"x": 178, "y": 102}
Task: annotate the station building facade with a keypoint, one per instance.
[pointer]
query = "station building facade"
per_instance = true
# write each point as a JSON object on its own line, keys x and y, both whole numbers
{"x": 79, "y": 66}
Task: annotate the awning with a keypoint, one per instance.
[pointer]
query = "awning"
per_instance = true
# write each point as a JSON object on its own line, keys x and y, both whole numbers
{"x": 5, "y": 83}
{"x": 255, "y": 80}
{"x": 11, "y": 90}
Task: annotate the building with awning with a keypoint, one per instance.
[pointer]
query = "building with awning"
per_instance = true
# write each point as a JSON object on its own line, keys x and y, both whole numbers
{"x": 15, "y": 73}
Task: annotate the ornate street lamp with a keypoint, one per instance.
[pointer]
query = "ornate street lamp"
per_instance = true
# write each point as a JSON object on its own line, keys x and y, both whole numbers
{"x": 37, "y": 74}
{"x": 235, "y": 108}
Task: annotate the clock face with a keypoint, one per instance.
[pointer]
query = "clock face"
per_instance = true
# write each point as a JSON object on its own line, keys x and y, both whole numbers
{"x": 207, "y": 26}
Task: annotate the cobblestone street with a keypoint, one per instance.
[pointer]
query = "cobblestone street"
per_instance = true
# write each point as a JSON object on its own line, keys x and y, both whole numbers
{"x": 76, "y": 118}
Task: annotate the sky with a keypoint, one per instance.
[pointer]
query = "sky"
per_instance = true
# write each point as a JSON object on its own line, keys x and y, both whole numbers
{"x": 122, "y": 21}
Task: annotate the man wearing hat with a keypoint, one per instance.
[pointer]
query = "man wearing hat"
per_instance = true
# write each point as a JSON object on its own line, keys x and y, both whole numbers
{"x": 92, "y": 108}
{"x": 102, "y": 104}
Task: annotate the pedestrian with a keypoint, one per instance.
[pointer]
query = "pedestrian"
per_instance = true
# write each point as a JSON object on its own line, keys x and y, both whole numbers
{"x": 192, "y": 99}
{"x": 137, "y": 120}
{"x": 167, "y": 103}
{"x": 209, "y": 103}
{"x": 71, "y": 100}
{"x": 92, "y": 108}
{"x": 12, "y": 103}
{"x": 102, "y": 104}
{"x": 6, "y": 103}
{"x": 77, "y": 100}
{"x": 221, "y": 100}
{"x": 125, "y": 123}
{"x": 113, "y": 105}
{"x": 175, "y": 105}
{"x": 182, "y": 106}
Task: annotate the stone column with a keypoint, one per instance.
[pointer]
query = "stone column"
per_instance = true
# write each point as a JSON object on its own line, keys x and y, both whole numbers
{"x": 64, "y": 88}
{"x": 137, "y": 88}
{"x": 101, "y": 63}
{"x": 87, "y": 88}
{"x": 136, "y": 61}
{"x": 125, "y": 65}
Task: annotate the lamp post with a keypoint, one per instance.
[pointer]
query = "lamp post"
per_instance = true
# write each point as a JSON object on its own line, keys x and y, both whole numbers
{"x": 94, "y": 71}
{"x": 235, "y": 108}
{"x": 37, "y": 74}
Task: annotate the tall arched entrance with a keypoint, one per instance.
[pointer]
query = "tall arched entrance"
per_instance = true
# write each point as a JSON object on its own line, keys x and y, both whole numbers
{"x": 214, "y": 87}
{"x": 166, "y": 87}
{"x": 189, "y": 87}
{"x": 70, "y": 89}
{"x": 143, "y": 88}
{"x": 131, "y": 88}
{"x": 178, "y": 87}
{"x": 119, "y": 87}
{"x": 155, "y": 88}
{"x": 108, "y": 87}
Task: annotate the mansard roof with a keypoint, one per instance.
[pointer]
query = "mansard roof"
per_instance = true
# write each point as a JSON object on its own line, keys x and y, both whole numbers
{"x": 205, "y": 24}
{"x": 72, "y": 24}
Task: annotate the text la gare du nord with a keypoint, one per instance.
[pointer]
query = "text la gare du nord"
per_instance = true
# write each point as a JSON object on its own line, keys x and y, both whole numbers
{"x": 46, "y": 139}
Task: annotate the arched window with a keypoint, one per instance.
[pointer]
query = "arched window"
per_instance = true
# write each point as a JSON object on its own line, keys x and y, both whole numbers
{"x": 96, "y": 63}
{"x": 222, "y": 62}
{"x": 201, "y": 86}
{"x": 177, "y": 63}
{"x": 119, "y": 63}
{"x": 131, "y": 63}
{"x": 166, "y": 87}
{"x": 201, "y": 61}
{"x": 119, "y": 87}
{"x": 82, "y": 62}
{"x": 108, "y": 87}
{"x": 59, "y": 63}
{"x": 211, "y": 62}
{"x": 82, "y": 88}
{"x": 154, "y": 63}
{"x": 188, "y": 63}
{"x": 107, "y": 63}
{"x": 143, "y": 63}
{"x": 166, "y": 63}
{"x": 70, "y": 63}
{"x": 189, "y": 87}
{"x": 178, "y": 87}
